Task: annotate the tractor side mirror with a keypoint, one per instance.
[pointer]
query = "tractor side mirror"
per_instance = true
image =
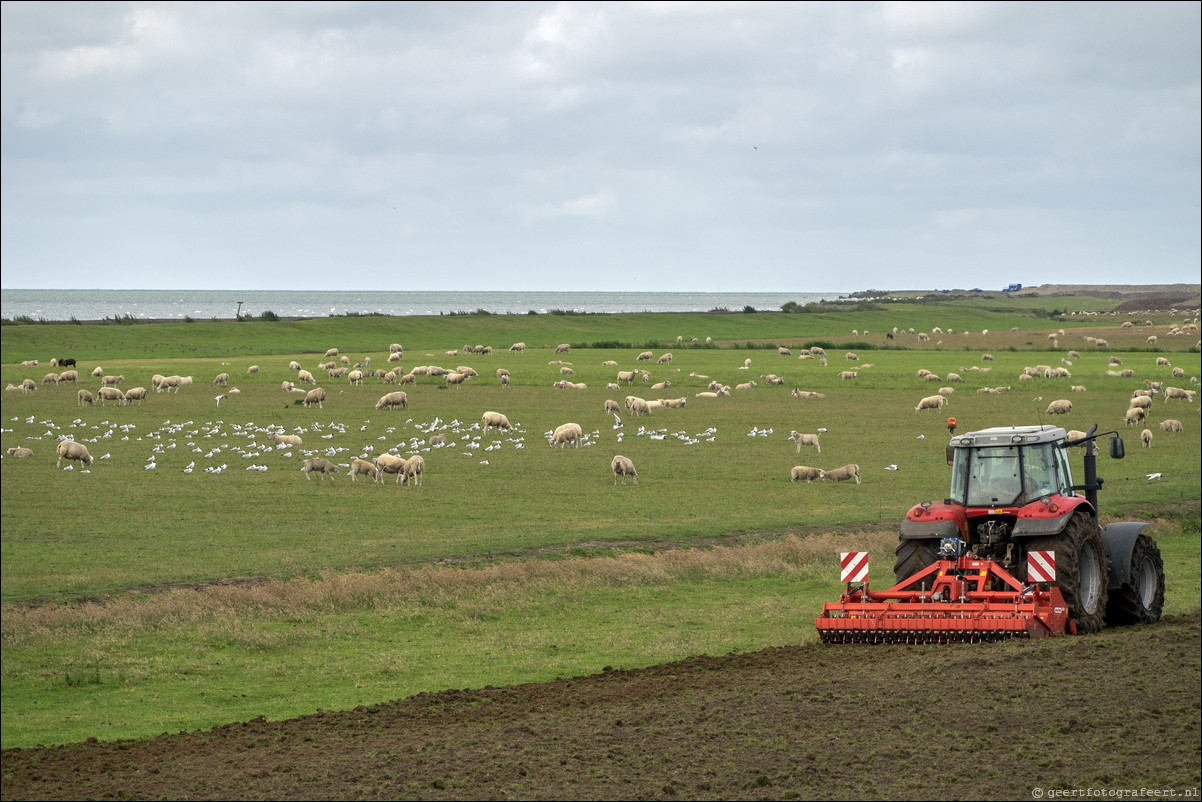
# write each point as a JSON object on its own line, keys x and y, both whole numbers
{"x": 1116, "y": 448}
{"x": 951, "y": 452}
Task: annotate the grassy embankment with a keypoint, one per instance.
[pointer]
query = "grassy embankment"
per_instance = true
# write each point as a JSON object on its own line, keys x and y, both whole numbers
{"x": 514, "y": 562}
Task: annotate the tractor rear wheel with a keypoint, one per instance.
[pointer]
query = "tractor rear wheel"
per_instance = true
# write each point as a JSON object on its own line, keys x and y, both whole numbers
{"x": 913, "y": 556}
{"x": 1142, "y": 599}
{"x": 1080, "y": 569}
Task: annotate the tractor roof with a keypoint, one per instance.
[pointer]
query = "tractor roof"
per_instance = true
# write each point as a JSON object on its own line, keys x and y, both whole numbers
{"x": 1008, "y": 436}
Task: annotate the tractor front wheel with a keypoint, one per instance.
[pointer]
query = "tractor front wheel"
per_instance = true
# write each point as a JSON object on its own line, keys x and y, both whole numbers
{"x": 1080, "y": 569}
{"x": 1141, "y": 600}
{"x": 913, "y": 556}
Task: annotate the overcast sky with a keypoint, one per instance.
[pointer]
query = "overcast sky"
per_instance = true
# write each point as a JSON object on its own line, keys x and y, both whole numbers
{"x": 576, "y": 146}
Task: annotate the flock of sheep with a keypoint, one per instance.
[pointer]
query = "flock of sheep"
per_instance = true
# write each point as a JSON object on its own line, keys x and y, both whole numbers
{"x": 410, "y": 469}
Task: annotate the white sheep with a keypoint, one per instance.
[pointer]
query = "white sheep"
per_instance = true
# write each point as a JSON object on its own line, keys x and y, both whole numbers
{"x": 1061, "y": 406}
{"x": 847, "y": 374}
{"x": 390, "y": 463}
{"x": 563, "y": 348}
{"x": 415, "y": 468}
{"x": 1171, "y": 425}
{"x": 849, "y": 471}
{"x": 252, "y": 369}
{"x": 112, "y": 381}
{"x": 29, "y": 386}
{"x": 320, "y": 465}
{"x": 305, "y": 376}
{"x": 931, "y": 402}
{"x": 1146, "y": 438}
{"x": 139, "y": 394}
{"x": 639, "y": 406}
{"x": 1135, "y": 415}
{"x": 805, "y": 440}
{"x": 567, "y": 433}
{"x": 20, "y": 452}
{"x": 362, "y": 467}
{"x": 315, "y": 396}
{"x": 393, "y": 400}
{"x": 800, "y": 472}
{"x": 1179, "y": 392}
{"x": 491, "y": 420}
{"x": 222, "y": 379}
{"x": 85, "y": 398}
{"x": 110, "y": 394}
{"x": 612, "y": 407}
{"x": 71, "y": 450}
{"x": 287, "y": 439}
{"x": 517, "y": 348}
{"x": 355, "y": 377}
{"x": 68, "y": 376}
{"x": 622, "y": 466}
{"x": 50, "y": 378}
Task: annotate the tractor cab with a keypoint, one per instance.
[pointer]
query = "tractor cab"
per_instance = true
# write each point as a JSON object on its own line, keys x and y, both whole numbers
{"x": 1008, "y": 467}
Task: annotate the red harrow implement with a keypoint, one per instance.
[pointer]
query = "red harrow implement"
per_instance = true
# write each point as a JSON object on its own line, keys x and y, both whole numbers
{"x": 959, "y": 599}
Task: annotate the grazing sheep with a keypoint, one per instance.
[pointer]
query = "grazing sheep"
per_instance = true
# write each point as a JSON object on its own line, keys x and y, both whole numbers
{"x": 800, "y": 472}
{"x": 112, "y": 381}
{"x": 496, "y": 420}
{"x": 805, "y": 440}
{"x": 68, "y": 376}
{"x": 931, "y": 402}
{"x": 1135, "y": 415}
{"x": 1178, "y": 373}
{"x": 1142, "y": 401}
{"x": 322, "y": 466}
{"x": 644, "y": 357}
{"x": 393, "y": 400}
{"x": 1178, "y": 392}
{"x": 847, "y": 374}
{"x": 664, "y": 359}
{"x": 85, "y": 398}
{"x": 415, "y": 468}
{"x": 396, "y": 348}
{"x": 1145, "y": 437}
{"x": 390, "y": 463}
{"x": 252, "y": 369}
{"x": 517, "y": 348}
{"x": 1171, "y": 425}
{"x": 849, "y": 471}
{"x": 315, "y": 396}
{"x": 567, "y": 433}
{"x": 111, "y": 394}
{"x": 20, "y": 452}
{"x": 222, "y": 379}
{"x": 1059, "y": 407}
{"x": 1161, "y": 362}
{"x": 71, "y": 450}
{"x": 638, "y": 406}
{"x": 50, "y": 378}
{"x": 563, "y": 348}
{"x": 305, "y": 376}
{"x": 622, "y": 466}
{"x": 612, "y": 407}
{"x": 29, "y": 386}
{"x": 331, "y": 352}
{"x": 850, "y": 357}
{"x": 355, "y": 377}
{"x": 784, "y": 351}
{"x": 139, "y": 394}
{"x": 286, "y": 439}
{"x": 437, "y": 440}
{"x": 362, "y": 467}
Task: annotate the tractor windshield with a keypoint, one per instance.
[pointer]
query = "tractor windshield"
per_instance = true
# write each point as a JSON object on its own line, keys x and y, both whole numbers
{"x": 1003, "y": 476}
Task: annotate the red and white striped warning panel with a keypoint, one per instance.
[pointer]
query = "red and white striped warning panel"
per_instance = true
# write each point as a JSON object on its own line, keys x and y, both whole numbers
{"x": 1041, "y": 566}
{"x": 854, "y": 566}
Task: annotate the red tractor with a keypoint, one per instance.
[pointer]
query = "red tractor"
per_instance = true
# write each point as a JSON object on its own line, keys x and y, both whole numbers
{"x": 1011, "y": 548}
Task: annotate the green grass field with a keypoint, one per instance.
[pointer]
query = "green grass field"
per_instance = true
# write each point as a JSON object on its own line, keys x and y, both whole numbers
{"x": 138, "y": 600}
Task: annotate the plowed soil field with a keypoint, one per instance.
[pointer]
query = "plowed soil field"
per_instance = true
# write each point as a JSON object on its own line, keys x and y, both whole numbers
{"x": 1114, "y": 712}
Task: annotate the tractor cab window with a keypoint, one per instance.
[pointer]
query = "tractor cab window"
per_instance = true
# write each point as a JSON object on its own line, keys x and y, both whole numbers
{"x": 1063, "y": 473}
{"x": 1039, "y": 472}
{"x": 993, "y": 476}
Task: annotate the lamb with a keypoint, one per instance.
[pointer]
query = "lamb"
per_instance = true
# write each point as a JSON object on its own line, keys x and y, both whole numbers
{"x": 139, "y": 394}
{"x": 389, "y": 463}
{"x": 496, "y": 420}
{"x": 1145, "y": 437}
{"x": 849, "y": 471}
{"x": 393, "y": 400}
{"x": 315, "y": 396}
{"x": 322, "y": 466}
{"x": 622, "y": 466}
{"x": 71, "y": 450}
{"x": 567, "y": 433}
{"x": 800, "y": 472}
{"x": 415, "y": 468}
{"x": 287, "y": 439}
{"x": 1171, "y": 425}
{"x": 111, "y": 394}
{"x": 805, "y": 440}
{"x": 1059, "y": 407}
{"x": 85, "y": 398}
{"x": 363, "y": 467}
{"x": 20, "y": 452}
